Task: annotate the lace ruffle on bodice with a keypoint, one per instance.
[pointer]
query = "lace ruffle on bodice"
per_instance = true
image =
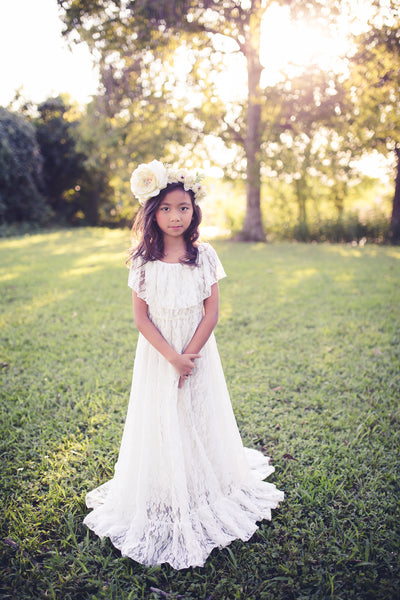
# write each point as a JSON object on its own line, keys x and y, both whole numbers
{"x": 175, "y": 286}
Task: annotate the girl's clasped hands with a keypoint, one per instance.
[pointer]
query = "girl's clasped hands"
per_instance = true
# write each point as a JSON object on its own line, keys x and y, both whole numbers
{"x": 184, "y": 364}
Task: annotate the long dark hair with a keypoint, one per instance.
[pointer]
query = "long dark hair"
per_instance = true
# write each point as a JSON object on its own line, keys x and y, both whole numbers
{"x": 145, "y": 228}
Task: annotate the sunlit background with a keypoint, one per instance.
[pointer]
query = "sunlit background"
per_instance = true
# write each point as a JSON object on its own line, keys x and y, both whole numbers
{"x": 39, "y": 63}
{"x": 35, "y": 58}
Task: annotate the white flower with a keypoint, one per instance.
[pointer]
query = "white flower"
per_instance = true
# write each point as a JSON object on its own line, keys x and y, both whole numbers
{"x": 189, "y": 181}
{"x": 199, "y": 191}
{"x": 173, "y": 175}
{"x": 148, "y": 180}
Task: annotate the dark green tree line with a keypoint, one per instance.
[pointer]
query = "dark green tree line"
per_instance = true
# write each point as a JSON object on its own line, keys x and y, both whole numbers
{"x": 63, "y": 165}
{"x": 21, "y": 175}
{"x": 49, "y": 170}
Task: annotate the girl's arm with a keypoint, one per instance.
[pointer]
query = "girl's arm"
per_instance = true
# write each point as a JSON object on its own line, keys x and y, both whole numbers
{"x": 208, "y": 322}
{"x": 206, "y": 325}
{"x": 183, "y": 363}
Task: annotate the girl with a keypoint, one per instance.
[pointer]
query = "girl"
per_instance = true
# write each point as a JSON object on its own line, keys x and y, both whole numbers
{"x": 183, "y": 483}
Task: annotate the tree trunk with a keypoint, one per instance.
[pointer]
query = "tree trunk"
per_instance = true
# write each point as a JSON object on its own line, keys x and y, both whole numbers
{"x": 395, "y": 220}
{"x": 92, "y": 214}
{"x": 301, "y": 195}
{"x": 301, "y": 202}
{"x": 252, "y": 227}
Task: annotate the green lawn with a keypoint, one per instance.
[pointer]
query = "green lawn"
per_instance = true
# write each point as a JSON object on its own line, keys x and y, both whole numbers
{"x": 309, "y": 336}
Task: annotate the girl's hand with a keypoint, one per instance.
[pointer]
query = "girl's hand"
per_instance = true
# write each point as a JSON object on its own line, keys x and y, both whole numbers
{"x": 184, "y": 364}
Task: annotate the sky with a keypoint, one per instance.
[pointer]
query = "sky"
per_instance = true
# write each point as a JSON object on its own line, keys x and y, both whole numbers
{"x": 35, "y": 56}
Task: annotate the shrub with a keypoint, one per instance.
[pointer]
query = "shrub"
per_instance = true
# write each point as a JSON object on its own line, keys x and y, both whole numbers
{"x": 21, "y": 185}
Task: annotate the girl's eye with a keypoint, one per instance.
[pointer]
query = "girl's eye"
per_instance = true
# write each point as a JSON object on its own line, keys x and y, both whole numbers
{"x": 164, "y": 208}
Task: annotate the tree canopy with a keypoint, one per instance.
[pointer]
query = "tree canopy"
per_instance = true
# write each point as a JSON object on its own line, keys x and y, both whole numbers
{"x": 162, "y": 64}
{"x": 134, "y": 40}
{"x": 63, "y": 164}
{"x": 374, "y": 87}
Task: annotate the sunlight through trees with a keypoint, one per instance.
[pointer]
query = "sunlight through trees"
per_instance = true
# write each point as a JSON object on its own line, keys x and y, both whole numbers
{"x": 284, "y": 99}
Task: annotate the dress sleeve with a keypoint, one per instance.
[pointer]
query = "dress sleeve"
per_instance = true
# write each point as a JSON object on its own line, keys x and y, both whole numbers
{"x": 137, "y": 277}
{"x": 213, "y": 270}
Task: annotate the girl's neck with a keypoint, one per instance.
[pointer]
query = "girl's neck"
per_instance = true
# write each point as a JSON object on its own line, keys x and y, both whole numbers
{"x": 174, "y": 250}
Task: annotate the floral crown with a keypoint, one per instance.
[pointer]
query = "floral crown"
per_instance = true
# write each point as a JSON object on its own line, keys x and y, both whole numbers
{"x": 148, "y": 180}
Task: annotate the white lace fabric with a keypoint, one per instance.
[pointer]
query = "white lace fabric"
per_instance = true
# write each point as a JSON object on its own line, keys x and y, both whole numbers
{"x": 183, "y": 483}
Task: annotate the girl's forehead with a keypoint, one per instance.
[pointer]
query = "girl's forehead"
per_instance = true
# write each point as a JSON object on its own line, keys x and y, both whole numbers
{"x": 176, "y": 197}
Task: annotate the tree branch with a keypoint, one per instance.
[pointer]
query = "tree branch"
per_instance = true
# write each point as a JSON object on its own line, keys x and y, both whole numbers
{"x": 235, "y": 134}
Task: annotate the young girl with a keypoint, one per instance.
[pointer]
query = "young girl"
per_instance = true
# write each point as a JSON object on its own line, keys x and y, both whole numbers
{"x": 183, "y": 483}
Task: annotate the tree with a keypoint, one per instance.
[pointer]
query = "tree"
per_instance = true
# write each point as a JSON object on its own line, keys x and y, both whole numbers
{"x": 375, "y": 90}
{"x": 131, "y": 37}
{"x": 116, "y": 134}
{"x": 308, "y": 138}
{"x": 98, "y": 141}
{"x": 21, "y": 184}
{"x": 63, "y": 165}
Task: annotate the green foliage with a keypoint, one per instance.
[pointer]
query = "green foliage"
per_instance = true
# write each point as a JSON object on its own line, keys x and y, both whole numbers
{"x": 309, "y": 141}
{"x": 136, "y": 45}
{"x": 309, "y": 340}
{"x": 51, "y": 169}
{"x": 365, "y": 213}
{"x": 63, "y": 165}
{"x": 21, "y": 185}
{"x": 375, "y": 85}
{"x": 309, "y": 126}
{"x": 224, "y": 206}
{"x": 374, "y": 89}
{"x": 114, "y": 144}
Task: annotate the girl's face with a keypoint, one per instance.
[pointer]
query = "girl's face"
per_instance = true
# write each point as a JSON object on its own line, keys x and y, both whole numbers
{"x": 175, "y": 213}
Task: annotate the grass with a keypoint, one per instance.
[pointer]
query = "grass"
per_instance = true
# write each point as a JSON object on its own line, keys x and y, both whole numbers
{"x": 309, "y": 337}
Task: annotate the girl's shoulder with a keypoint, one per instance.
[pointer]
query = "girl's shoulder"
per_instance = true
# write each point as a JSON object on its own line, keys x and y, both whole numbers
{"x": 137, "y": 276}
{"x": 208, "y": 259}
{"x": 205, "y": 249}
{"x": 136, "y": 261}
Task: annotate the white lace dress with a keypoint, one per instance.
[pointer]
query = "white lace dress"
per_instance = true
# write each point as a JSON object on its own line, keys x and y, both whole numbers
{"x": 183, "y": 483}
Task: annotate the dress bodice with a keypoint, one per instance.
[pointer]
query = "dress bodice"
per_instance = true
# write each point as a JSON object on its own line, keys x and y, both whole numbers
{"x": 175, "y": 287}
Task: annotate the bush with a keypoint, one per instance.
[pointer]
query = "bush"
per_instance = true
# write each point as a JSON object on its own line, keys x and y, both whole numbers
{"x": 21, "y": 185}
{"x": 374, "y": 227}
